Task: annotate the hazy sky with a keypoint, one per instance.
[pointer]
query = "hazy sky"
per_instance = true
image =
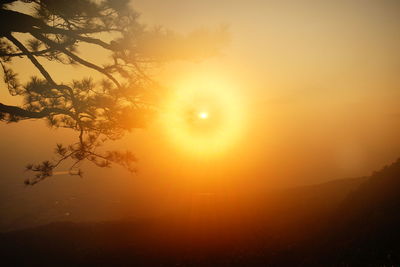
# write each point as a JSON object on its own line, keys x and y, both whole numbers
{"x": 320, "y": 78}
{"x": 319, "y": 83}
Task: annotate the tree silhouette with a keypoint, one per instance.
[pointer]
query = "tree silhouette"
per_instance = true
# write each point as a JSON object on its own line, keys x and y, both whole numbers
{"x": 101, "y": 110}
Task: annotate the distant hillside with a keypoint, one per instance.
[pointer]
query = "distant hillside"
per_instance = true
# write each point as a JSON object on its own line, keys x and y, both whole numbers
{"x": 350, "y": 222}
{"x": 365, "y": 229}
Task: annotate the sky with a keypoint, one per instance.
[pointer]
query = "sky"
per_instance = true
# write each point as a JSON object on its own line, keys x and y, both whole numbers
{"x": 316, "y": 85}
{"x": 319, "y": 78}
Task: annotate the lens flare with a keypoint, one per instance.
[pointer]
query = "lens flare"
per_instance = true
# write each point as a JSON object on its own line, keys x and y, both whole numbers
{"x": 203, "y": 116}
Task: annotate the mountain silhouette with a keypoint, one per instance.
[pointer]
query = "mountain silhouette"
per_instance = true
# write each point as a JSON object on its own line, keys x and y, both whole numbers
{"x": 364, "y": 230}
{"x": 349, "y": 222}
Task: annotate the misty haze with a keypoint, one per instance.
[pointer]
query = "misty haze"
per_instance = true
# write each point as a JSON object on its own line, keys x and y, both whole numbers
{"x": 199, "y": 133}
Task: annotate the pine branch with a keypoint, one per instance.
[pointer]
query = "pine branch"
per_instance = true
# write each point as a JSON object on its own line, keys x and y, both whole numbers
{"x": 23, "y": 113}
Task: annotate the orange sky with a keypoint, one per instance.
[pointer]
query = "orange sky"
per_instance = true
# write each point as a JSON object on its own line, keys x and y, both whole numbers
{"x": 320, "y": 81}
{"x": 319, "y": 85}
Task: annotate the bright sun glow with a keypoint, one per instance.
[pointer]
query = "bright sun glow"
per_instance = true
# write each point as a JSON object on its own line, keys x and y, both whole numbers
{"x": 203, "y": 115}
{"x": 188, "y": 119}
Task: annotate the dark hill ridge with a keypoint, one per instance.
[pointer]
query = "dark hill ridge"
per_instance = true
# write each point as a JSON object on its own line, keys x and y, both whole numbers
{"x": 351, "y": 222}
{"x": 365, "y": 230}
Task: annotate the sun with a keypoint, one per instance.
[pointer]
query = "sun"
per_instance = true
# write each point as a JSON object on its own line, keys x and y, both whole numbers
{"x": 203, "y": 116}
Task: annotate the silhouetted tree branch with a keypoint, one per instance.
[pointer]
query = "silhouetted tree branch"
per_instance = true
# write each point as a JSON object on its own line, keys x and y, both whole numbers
{"x": 26, "y": 114}
{"x": 97, "y": 110}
